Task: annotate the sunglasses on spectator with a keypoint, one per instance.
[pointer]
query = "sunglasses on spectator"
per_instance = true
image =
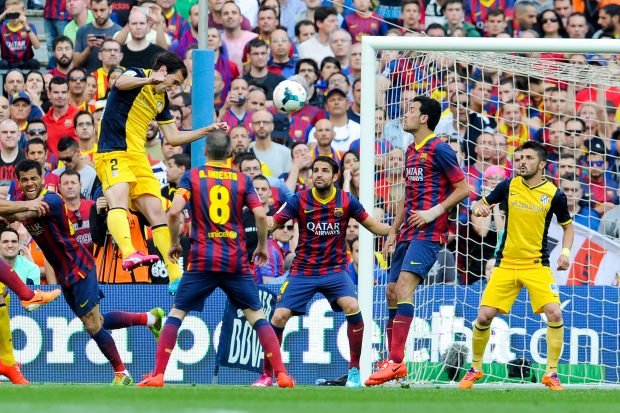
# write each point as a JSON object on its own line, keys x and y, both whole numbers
{"x": 550, "y": 20}
{"x": 77, "y": 79}
{"x": 289, "y": 227}
{"x": 68, "y": 159}
{"x": 573, "y": 132}
{"x": 597, "y": 163}
{"x": 33, "y": 132}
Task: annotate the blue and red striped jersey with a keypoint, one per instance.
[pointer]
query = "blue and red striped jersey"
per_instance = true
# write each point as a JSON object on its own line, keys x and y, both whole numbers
{"x": 228, "y": 70}
{"x": 358, "y": 26}
{"x": 16, "y": 45}
{"x": 56, "y": 10}
{"x": 322, "y": 247}
{"x": 232, "y": 120}
{"x": 176, "y": 25}
{"x": 53, "y": 233}
{"x": 431, "y": 168}
{"x": 216, "y": 195}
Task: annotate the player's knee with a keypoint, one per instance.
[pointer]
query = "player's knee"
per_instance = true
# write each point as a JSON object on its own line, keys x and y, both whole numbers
{"x": 554, "y": 314}
{"x": 485, "y": 317}
{"x": 390, "y": 295}
{"x": 279, "y": 319}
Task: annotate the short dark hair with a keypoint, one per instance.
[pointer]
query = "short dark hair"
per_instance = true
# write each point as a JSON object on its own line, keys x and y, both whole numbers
{"x": 445, "y": 4}
{"x": 261, "y": 178}
{"x": 57, "y": 80}
{"x": 538, "y": 147}
{"x": 434, "y": 26}
{"x": 82, "y": 113}
{"x": 245, "y": 157}
{"x": 612, "y": 9}
{"x": 61, "y": 39}
{"x": 186, "y": 97}
{"x": 431, "y": 108}
{"x": 76, "y": 69}
{"x": 301, "y": 23}
{"x": 37, "y": 120}
{"x": 494, "y": 11}
{"x": 331, "y": 59}
{"x": 255, "y": 43}
{"x": 346, "y": 78}
{"x": 182, "y": 160}
{"x": 28, "y": 165}
{"x": 323, "y": 12}
{"x": 218, "y": 145}
{"x": 70, "y": 172}
{"x": 36, "y": 141}
{"x": 308, "y": 61}
{"x": 66, "y": 142}
{"x": 408, "y": 2}
{"x": 9, "y": 229}
{"x": 296, "y": 144}
{"x": 172, "y": 62}
{"x": 327, "y": 160}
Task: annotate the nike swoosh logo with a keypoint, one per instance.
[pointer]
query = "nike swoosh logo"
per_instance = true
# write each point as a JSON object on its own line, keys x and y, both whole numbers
{"x": 357, "y": 331}
{"x": 514, "y": 194}
{"x": 395, "y": 369}
{"x": 307, "y": 211}
{"x": 84, "y": 305}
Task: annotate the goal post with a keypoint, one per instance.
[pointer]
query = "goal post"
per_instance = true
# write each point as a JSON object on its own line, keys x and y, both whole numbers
{"x": 466, "y": 52}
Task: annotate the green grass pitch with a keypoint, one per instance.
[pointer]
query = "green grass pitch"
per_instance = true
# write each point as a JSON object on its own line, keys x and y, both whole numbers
{"x": 52, "y": 398}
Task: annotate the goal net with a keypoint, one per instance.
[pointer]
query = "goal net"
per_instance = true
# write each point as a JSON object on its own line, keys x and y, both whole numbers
{"x": 497, "y": 94}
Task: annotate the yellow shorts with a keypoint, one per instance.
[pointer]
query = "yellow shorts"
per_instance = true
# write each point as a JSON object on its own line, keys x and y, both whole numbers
{"x": 117, "y": 167}
{"x": 505, "y": 285}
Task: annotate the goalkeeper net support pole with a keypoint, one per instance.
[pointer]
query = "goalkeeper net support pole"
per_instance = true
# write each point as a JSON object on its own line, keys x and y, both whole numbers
{"x": 444, "y": 313}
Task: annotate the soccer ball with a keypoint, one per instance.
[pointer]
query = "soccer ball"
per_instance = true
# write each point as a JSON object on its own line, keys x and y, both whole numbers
{"x": 289, "y": 96}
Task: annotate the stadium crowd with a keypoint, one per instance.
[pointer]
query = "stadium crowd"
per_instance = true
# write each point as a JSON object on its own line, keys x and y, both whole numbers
{"x": 51, "y": 114}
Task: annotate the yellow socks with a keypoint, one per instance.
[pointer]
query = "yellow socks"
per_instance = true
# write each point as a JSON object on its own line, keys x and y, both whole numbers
{"x": 118, "y": 225}
{"x": 6, "y": 340}
{"x": 479, "y": 344}
{"x": 161, "y": 239}
{"x": 555, "y": 339}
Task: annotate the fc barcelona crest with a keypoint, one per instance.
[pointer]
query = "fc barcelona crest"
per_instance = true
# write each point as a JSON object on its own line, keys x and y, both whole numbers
{"x": 338, "y": 212}
{"x": 423, "y": 157}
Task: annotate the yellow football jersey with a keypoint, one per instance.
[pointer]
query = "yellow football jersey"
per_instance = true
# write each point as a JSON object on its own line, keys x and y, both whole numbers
{"x": 528, "y": 215}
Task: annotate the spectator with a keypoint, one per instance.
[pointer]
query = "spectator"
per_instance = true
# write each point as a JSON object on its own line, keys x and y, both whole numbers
{"x": 36, "y": 129}
{"x": 580, "y": 213}
{"x": 176, "y": 25}
{"x": 234, "y": 37}
{"x": 318, "y": 47}
{"x": 234, "y": 111}
{"x": 495, "y": 23}
{"x": 564, "y": 8}
{"x": 20, "y": 109}
{"x": 340, "y": 43}
{"x": 550, "y": 26}
{"x": 5, "y": 112}
{"x": 250, "y": 165}
{"x": 301, "y": 167}
{"x": 160, "y": 168}
{"x": 110, "y": 55}
{"x": 410, "y": 16}
{"x": 309, "y": 70}
{"x": 258, "y": 74}
{"x": 14, "y": 82}
{"x": 18, "y": 257}
{"x": 69, "y": 154}
{"x": 19, "y": 38}
{"x": 525, "y": 17}
{"x": 345, "y": 130}
{"x": 35, "y": 87}
{"x": 120, "y": 10}
{"x": 77, "y": 88}
{"x": 363, "y": 21}
{"x": 78, "y": 208}
{"x": 55, "y": 17}
{"x": 10, "y": 155}
{"x": 393, "y": 130}
{"x": 190, "y": 36}
{"x": 577, "y": 26}
{"x": 89, "y": 38}
{"x": 280, "y": 62}
{"x": 600, "y": 185}
{"x": 139, "y": 51}
{"x": 85, "y": 131}
{"x": 184, "y": 101}
{"x": 454, "y": 11}
{"x": 475, "y": 170}
{"x": 393, "y": 174}
{"x": 304, "y": 29}
{"x": 609, "y": 20}
{"x": 287, "y": 237}
{"x": 37, "y": 151}
{"x": 63, "y": 56}
{"x": 217, "y": 17}
{"x": 355, "y": 109}
{"x": 276, "y": 156}
{"x": 268, "y": 21}
{"x": 257, "y": 99}
{"x": 512, "y": 126}
{"x": 80, "y": 16}
{"x": 59, "y": 119}
{"x": 178, "y": 164}
{"x": 323, "y": 139}
{"x": 227, "y": 69}
{"x": 155, "y": 30}
{"x": 240, "y": 140}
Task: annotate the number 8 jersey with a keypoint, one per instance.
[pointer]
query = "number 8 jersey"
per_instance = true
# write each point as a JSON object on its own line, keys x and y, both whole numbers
{"x": 216, "y": 195}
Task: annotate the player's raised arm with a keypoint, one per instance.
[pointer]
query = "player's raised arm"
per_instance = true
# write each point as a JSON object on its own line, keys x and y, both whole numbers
{"x": 131, "y": 79}
{"x": 35, "y": 208}
{"x": 176, "y": 137}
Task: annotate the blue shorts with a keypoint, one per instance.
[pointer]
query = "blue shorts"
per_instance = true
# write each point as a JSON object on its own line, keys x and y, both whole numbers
{"x": 196, "y": 286}
{"x": 297, "y": 291}
{"x": 84, "y": 295}
{"x": 414, "y": 256}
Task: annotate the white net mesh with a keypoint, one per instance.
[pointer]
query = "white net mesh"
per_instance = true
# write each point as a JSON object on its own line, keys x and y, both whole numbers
{"x": 494, "y": 102}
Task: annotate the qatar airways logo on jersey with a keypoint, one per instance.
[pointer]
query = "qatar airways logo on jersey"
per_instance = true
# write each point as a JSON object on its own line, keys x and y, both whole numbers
{"x": 323, "y": 229}
{"x": 35, "y": 229}
{"x": 415, "y": 174}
